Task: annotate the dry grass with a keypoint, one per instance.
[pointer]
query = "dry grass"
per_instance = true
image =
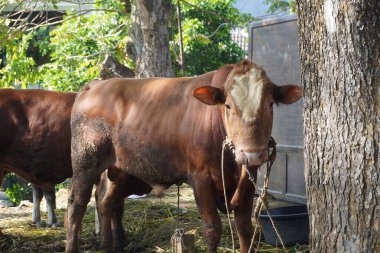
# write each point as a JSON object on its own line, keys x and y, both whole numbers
{"x": 149, "y": 225}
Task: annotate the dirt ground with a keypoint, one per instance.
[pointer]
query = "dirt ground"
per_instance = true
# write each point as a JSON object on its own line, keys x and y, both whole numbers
{"x": 149, "y": 224}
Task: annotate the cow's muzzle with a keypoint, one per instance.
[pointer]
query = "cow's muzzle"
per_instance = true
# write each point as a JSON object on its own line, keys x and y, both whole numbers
{"x": 252, "y": 158}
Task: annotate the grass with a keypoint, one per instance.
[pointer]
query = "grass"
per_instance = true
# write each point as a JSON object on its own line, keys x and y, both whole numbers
{"x": 149, "y": 225}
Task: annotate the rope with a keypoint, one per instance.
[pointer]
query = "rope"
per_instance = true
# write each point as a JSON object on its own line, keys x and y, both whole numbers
{"x": 227, "y": 142}
{"x": 178, "y": 217}
{"x": 177, "y": 238}
{"x": 262, "y": 199}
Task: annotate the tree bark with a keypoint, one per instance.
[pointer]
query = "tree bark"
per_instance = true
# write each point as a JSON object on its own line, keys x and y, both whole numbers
{"x": 150, "y": 37}
{"x": 111, "y": 68}
{"x": 340, "y": 69}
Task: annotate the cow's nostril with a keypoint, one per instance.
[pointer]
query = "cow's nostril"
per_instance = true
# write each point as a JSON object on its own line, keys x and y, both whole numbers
{"x": 264, "y": 156}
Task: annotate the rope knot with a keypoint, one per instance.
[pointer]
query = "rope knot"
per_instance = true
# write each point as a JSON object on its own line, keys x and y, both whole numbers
{"x": 177, "y": 241}
{"x": 179, "y": 232}
{"x": 228, "y": 143}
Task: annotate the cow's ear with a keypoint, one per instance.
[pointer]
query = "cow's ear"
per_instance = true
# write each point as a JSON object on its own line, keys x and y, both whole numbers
{"x": 209, "y": 95}
{"x": 287, "y": 94}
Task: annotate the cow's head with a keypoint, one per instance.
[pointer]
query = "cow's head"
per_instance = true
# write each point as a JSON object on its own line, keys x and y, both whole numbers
{"x": 245, "y": 97}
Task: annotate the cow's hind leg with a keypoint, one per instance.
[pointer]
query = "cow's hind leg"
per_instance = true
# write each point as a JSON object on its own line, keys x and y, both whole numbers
{"x": 205, "y": 197}
{"x": 49, "y": 195}
{"x": 104, "y": 210}
{"x": 118, "y": 232}
{"x": 110, "y": 207}
{"x": 36, "y": 212}
{"x": 76, "y": 207}
{"x": 91, "y": 149}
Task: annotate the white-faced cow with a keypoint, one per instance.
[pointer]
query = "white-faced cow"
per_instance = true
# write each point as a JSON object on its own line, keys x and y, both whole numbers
{"x": 167, "y": 131}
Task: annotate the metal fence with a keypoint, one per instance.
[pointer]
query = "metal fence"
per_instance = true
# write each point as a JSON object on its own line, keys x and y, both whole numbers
{"x": 273, "y": 44}
{"x": 240, "y": 37}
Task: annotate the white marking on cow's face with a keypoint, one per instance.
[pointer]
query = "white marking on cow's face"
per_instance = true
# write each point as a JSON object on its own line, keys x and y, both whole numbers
{"x": 247, "y": 93}
{"x": 249, "y": 114}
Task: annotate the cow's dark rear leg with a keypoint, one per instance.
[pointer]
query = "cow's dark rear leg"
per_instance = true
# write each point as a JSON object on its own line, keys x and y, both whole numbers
{"x": 204, "y": 193}
{"x": 79, "y": 197}
{"x": 49, "y": 195}
{"x": 110, "y": 198}
{"x": 90, "y": 151}
{"x": 104, "y": 210}
{"x": 118, "y": 232}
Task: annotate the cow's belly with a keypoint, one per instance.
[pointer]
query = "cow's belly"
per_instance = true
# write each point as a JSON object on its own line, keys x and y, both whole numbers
{"x": 38, "y": 166}
{"x": 156, "y": 165}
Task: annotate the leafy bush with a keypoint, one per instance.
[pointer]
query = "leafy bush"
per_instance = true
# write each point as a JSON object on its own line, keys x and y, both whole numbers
{"x": 206, "y": 28}
{"x": 281, "y": 6}
{"x": 64, "y": 185}
{"x": 73, "y": 50}
{"x": 19, "y": 189}
{"x": 19, "y": 70}
{"x": 79, "y": 46}
{"x": 72, "y": 53}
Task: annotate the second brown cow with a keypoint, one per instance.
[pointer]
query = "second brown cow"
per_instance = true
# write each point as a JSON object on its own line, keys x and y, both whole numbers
{"x": 35, "y": 137}
{"x": 35, "y": 141}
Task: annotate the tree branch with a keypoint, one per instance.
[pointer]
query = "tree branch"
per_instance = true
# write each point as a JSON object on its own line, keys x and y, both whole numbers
{"x": 21, "y": 23}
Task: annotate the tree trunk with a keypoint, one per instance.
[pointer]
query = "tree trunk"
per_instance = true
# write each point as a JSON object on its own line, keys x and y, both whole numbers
{"x": 339, "y": 57}
{"x": 150, "y": 37}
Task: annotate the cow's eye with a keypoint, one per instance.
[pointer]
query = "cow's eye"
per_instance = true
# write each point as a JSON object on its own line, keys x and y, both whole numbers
{"x": 271, "y": 104}
{"x": 228, "y": 106}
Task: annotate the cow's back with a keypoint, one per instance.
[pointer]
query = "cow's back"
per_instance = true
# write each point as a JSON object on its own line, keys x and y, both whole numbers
{"x": 35, "y": 134}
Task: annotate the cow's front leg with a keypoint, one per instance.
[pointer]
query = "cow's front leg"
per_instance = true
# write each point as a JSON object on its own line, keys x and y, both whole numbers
{"x": 36, "y": 213}
{"x": 242, "y": 202}
{"x": 204, "y": 192}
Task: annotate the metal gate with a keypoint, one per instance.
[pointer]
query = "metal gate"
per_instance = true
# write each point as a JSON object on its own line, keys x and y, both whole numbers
{"x": 273, "y": 44}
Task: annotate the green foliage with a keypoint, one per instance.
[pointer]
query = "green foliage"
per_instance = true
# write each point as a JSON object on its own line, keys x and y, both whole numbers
{"x": 15, "y": 194}
{"x": 19, "y": 70}
{"x": 18, "y": 191}
{"x": 39, "y": 43}
{"x": 6, "y": 32}
{"x": 72, "y": 54}
{"x": 64, "y": 185}
{"x": 79, "y": 46}
{"x": 206, "y": 27}
{"x": 281, "y": 6}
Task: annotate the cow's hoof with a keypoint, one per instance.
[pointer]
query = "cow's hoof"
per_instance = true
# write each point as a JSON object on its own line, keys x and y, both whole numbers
{"x": 38, "y": 224}
{"x": 55, "y": 225}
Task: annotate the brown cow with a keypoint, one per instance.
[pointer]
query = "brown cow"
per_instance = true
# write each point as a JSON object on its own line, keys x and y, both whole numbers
{"x": 35, "y": 138}
{"x": 156, "y": 131}
{"x": 35, "y": 141}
